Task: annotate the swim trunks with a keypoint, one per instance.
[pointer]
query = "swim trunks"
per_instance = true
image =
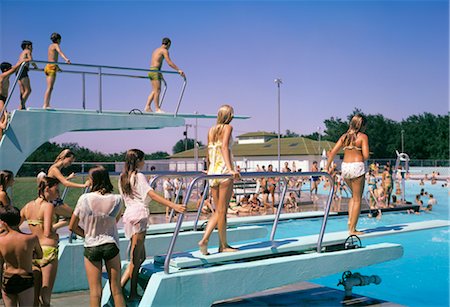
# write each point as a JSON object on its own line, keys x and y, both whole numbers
{"x": 351, "y": 170}
{"x": 24, "y": 73}
{"x": 51, "y": 69}
{"x": 14, "y": 284}
{"x": 102, "y": 252}
{"x": 155, "y": 75}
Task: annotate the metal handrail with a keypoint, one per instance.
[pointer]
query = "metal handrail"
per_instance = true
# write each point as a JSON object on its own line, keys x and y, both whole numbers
{"x": 100, "y": 73}
{"x": 251, "y": 175}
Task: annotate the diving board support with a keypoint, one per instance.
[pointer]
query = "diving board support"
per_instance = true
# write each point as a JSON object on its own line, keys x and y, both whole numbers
{"x": 202, "y": 287}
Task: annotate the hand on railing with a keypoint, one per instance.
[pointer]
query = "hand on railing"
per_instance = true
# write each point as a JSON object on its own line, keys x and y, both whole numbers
{"x": 182, "y": 73}
{"x": 179, "y": 208}
{"x": 236, "y": 175}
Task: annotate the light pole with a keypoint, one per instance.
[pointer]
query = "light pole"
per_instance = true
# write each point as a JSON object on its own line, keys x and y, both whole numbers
{"x": 186, "y": 136}
{"x": 278, "y": 81}
{"x": 196, "y": 144}
{"x": 402, "y": 133}
{"x": 319, "y": 129}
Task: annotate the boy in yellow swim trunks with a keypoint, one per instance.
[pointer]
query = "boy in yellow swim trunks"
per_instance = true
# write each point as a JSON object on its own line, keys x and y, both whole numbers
{"x": 158, "y": 56}
{"x": 51, "y": 69}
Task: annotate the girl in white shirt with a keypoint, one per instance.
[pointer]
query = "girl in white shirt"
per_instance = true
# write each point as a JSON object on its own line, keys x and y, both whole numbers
{"x": 99, "y": 212}
{"x": 137, "y": 194}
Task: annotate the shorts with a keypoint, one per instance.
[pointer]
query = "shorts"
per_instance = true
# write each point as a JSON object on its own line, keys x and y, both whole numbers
{"x": 102, "y": 252}
{"x": 14, "y": 284}
{"x": 24, "y": 73}
{"x": 51, "y": 69}
{"x": 155, "y": 75}
{"x": 351, "y": 170}
{"x": 315, "y": 178}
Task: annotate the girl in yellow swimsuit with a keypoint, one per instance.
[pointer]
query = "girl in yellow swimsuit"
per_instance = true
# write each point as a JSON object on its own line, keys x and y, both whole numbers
{"x": 355, "y": 144}
{"x": 220, "y": 161}
{"x": 39, "y": 214}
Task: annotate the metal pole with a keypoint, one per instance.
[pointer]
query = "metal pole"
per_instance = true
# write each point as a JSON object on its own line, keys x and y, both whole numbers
{"x": 100, "y": 89}
{"x": 319, "y": 129}
{"x": 403, "y": 149}
{"x": 278, "y": 81}
{"x": 195, "y": 144}
{"x": 83, "y": 79}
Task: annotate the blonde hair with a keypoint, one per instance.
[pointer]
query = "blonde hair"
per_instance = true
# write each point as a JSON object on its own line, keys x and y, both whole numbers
{"x": 356, "y": 124}
{"x": 224, "y": 117}
{"x": 66, "y": 153}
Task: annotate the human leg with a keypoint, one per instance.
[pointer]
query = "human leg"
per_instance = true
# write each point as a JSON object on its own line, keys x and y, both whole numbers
{"x": 25, "y": 91}
{"x": 94, "y": 276}
{"x": 9, "y": 299}
{"x": 357, "y": 187}
{"x": 26, "y": 297}
{"x": 154, "y": 95}
{"x": 113, "y": 269}
{"x": 48, "y": 93}
{"x": 223, "y": 201}
{"x": 48, "y": 280}
{"x": 212, "y": 223}
{"x": 137, "y": 256}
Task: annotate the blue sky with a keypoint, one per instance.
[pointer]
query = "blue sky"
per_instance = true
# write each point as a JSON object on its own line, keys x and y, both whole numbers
{"x": 387, "y": 57}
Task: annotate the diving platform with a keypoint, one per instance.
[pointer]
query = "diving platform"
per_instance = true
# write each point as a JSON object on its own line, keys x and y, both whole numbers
{"x": 28, "y": 129}
{"x": 202, "y": 280}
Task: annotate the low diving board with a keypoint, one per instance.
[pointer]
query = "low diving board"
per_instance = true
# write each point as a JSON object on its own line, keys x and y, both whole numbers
{"x": 28, "y": 129}
{"x": 289, "y": 245}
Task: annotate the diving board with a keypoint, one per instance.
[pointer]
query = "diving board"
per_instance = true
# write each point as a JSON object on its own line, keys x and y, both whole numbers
{"x": 69, "y": 277}
{"x": 204, "y": 286}
{"x": 28, "y": 129}
{"x": 294, "y": 244}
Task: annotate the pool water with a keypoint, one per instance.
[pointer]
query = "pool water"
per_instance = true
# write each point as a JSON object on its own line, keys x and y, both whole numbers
{"x": 421, "y": 276}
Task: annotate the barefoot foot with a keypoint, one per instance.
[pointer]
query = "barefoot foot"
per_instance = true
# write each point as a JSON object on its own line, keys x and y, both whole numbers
{"x": 228, "y": 249}
{"x": 203, "y": 248}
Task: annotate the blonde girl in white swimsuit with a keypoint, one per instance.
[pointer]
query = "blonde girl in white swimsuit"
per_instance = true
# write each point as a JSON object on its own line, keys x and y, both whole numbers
{"x": 356, "y": 151}
{"x": 220, "y": 161}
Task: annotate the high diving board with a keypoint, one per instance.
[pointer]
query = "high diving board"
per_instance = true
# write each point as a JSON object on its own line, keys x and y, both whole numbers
{"x": 28, "y": 129}
{"x": 294, "y": 244}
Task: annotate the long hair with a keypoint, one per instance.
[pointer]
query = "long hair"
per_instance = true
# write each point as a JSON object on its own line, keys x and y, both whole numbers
{"x": 356, "y": 124}
{"x": 224, "y": 117}
{"x": 46, "y": 182}
{"x": 5, "y": 177}
{"x": 100, "y": 180}
{"x": 66, "y": 153}
{"x": 132, "y": 157}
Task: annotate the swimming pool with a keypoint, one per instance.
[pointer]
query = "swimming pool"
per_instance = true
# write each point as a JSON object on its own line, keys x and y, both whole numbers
{"x": 421, "y": 276}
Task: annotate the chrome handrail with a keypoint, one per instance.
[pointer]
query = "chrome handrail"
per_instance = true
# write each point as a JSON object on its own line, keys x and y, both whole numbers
{"x": 100, "y": 73}
{"x": 251, "y": 175}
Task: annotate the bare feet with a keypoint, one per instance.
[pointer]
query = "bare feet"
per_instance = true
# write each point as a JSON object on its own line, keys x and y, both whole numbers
{"x": 203, "y": 248}
{"x": 356, "y": 232}
{"x": 148, "y": 109}
{"x": 228, "y": 249}
{"x": 160, "y": 111}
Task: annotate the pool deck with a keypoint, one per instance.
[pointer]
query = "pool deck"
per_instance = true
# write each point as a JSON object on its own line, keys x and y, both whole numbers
{"x": 300, "y": 294}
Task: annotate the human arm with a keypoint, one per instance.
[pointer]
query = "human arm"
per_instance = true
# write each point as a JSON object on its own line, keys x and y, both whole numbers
{"x": 28, "y": 57}
{"x": 4, "y": 121}
{"x": 58, "y": 49}
{"x": 64, "y": 181}
{"x": 158, "y": 198}
{"x": 38, "y": 254}
{"x": 365, "y": 146}
{"x": 74, "y": 227}
{"x": 172, "y": 64}
{"x": 226, "y": 137}
{"x": 4, "y": 199}
{"x": 48, "y": 219}
{"x": 333, "y": 153}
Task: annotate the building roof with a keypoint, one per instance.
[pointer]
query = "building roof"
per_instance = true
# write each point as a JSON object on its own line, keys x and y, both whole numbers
{"x": 257, "y": 133}
{"x": 296, "y": 146}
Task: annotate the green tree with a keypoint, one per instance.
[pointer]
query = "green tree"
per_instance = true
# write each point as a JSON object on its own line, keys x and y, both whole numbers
{"x": 184, "y": 144}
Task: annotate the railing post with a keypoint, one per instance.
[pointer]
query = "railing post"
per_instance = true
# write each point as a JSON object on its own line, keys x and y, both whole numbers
{"x": 199, "y": 209}
{"x": 83, "y": 81}
{"x": 181, "y": 97}
{"x": 280, "y": 207}
{"x": 100, "y": 108}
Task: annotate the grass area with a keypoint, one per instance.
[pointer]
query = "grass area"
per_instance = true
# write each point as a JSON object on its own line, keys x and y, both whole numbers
{"x": 25, "y": 190}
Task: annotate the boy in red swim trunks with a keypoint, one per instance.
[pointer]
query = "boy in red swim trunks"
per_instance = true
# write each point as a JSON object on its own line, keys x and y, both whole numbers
{"x": 16, "y": 254}
{"x": 51, "y": 69}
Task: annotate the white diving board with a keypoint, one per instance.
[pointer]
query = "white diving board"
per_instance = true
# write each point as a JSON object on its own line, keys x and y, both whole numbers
{"x": 294, "y": 244}
{"x": 204, "y": 286}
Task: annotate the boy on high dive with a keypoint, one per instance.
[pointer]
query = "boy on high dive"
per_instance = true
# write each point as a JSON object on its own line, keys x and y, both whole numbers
{"x": 158, "y": 56}
{"x": 50, "y": 70}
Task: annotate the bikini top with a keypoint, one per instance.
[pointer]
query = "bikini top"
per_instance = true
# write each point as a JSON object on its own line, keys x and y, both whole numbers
{"x": 352, "y": 147}
{"x": 35, "y": 222}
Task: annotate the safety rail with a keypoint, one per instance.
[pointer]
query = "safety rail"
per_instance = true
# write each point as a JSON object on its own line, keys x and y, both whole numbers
{"x": 253, "y": 175}
{"x": 100, "y": 73}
